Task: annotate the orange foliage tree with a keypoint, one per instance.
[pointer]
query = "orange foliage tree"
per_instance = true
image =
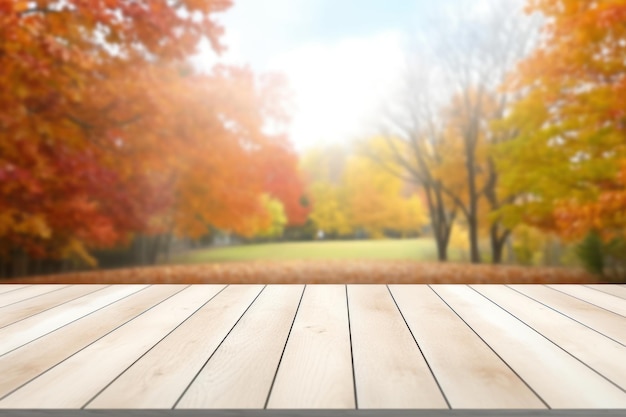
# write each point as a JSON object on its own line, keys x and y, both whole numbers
{"x": 105, "y": 131}
{"x": 569, "y": 155}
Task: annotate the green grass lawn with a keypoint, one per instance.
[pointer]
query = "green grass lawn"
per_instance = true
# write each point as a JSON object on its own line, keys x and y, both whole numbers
{"x": 414, "y": 249}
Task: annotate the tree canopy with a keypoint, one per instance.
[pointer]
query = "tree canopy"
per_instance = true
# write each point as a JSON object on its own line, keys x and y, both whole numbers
{"x": 107, "y": 131}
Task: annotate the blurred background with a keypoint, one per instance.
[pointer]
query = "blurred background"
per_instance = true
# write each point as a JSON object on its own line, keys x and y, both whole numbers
{"x": 157, "y": 132}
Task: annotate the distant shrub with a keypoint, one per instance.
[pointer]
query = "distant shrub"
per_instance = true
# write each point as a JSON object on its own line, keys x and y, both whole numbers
{"x": 590, "y": 253}
{"x": 607, "y": 259}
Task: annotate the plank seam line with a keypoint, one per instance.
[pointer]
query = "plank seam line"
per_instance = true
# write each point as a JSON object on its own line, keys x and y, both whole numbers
{"x": 548, "y": 339}
{"x": 217, "y": 348}
{"x": 443, "y": 394}
{"x": 14, "y": 289}
{"x": 492, "y": 349}
{"x": 34, "y": 296}
{"x": 269, "y": 394}
{"x": 58, "y": 305}
{"x": 566, "y": 315}
{"x": 589, "y": 302}
{"x": 356, "y": 398}
{"x": 89, "y": 344}
{"x": 604, "y": 292}
{"x": 75, "y": 320}
{"x": 153, "y": 346}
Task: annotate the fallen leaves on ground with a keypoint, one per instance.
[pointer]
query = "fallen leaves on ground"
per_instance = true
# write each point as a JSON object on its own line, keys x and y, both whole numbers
{"x": 321, "y": 272}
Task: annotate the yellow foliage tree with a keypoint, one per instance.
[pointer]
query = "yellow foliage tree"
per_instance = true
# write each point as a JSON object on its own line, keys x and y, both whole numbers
{"x": 277, "y": 218}
{"x": 354, "y": 193}
{"x": 329, "y": 211}
{"x": 376, "y": 202}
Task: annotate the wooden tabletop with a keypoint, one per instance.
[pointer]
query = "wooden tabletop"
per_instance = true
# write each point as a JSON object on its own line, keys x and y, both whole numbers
{"x": 314, "y": 346}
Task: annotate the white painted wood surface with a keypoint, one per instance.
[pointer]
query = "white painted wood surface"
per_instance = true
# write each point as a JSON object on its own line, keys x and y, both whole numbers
{"x": 37, "y": 356}
{"x": 240, "y": 373}
{"x": 469, "y": 372}
{"x": 316, "y": 368}
{"x": 78, "y": 379}
{"x": 4, "y": 288}
{"x": 606, "y": 322}
{"x": 599, "y": 299}
{"x": 558, "y": 378}
{"x": 160, "y": 377}
{"x": 287, "y": 346}
{"x": 27, "y": 292}
{"x": 30, "y": 328}
{"x": 29, "y": 307}
{"x": 390, "y": 371}
{"x": 617, "y": 290}
{"x": 592, "y": 348}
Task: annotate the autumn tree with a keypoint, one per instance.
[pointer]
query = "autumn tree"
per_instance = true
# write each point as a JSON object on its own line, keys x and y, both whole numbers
{"x": 569, "y": 154}
{"x": 106, "y": 132}
{"x": 570, "y": 146}
{"x": 377, "y": 200}
{"x": 75, "y": 76}
{"x": 352, "y": 194}
{"x": 324, "y": 168}
{"x": 442, "y": 117}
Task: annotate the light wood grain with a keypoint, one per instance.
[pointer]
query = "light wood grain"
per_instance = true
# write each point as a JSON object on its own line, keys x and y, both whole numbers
{"x": 164, "y": 345}
{"x": 27, "y": 362}
{"x": 160, "y": 377}
{"x": 599, "y": 352}
{"x": 24, "y": 331}
{"x": 11, "y": 297}
{"x": 33, "y": 306}
{"x": 597, "y": 298}
{"x": 4, "y": 288}
{"x": 389, "y": 369}
{"x": 240, "y": 373}
{"x": 316, "y": 369}
{"x": 74, "y": 382}
{"x": 601, "y": 320}
{"x": 469, "y": 372}
{"x": 558, "y": 378}
{"x": 616, "y": 290}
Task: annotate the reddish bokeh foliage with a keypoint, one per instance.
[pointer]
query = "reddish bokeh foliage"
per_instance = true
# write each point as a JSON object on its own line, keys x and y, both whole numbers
{"x": 105, "y": 131}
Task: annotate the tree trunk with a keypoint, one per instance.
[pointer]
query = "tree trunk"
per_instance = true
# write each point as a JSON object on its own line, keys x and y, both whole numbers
{"x": 497, "y": 248}
{"x": 440, "y": 222}
{"x": 471, "y": 139}
{"x": 442, "y": 251}
{"x": 498, "y": 243}
{"x": 473, "y": 237}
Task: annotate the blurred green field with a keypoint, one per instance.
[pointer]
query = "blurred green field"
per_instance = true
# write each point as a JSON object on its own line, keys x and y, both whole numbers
{"x": 412, "y": 249}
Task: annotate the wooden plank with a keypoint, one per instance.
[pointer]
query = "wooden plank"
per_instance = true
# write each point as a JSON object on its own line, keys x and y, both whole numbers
{"x": 27, "y": 292}
{"x": 240, "y": 372}
{"x": 29, "y": 361}
{"x": 469, "y": 372}
{"x": 316, "y": 368}
{"x": 597, "y": 298}
{"x": 616, "y": 290}
{"x": 597, "y": 351}
{"x": 27, "y": 308}
{"x": 24, "y": 331}
{"x": 603, "y": 321}
{"x": 389, "y": 369}
{"x": 160, "y": 377}
{"x": 75, "y": 381}
{"x": 4, "y": 288}
{"x": 558, "y": 378}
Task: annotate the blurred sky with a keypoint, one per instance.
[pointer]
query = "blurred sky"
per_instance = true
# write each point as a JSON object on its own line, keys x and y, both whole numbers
{"x": 342, "y": 57}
